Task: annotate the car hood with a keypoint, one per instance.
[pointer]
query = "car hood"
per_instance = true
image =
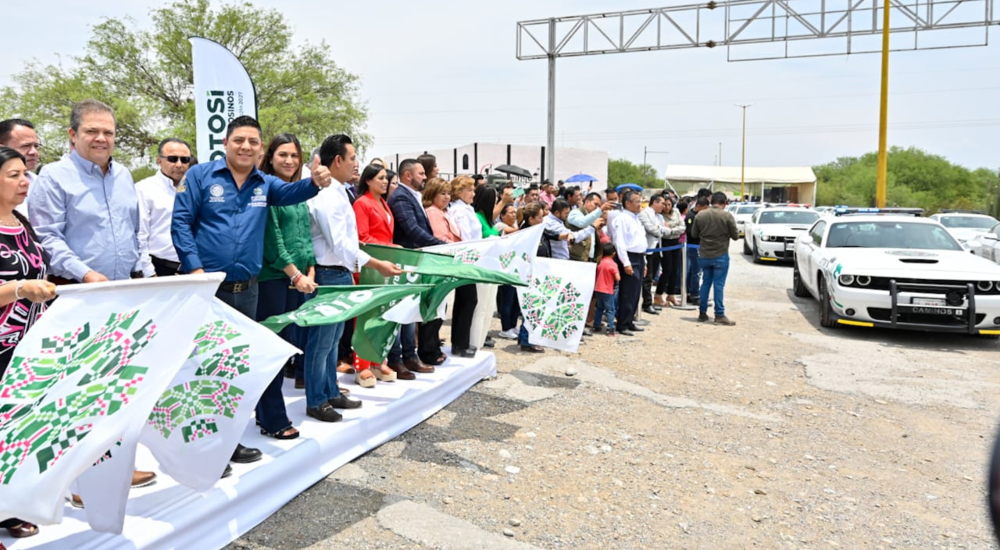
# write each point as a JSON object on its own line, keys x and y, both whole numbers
{"x": 967, "y": 233}
{"x": 784, "y": 229}
{"x": 913, "y": 264}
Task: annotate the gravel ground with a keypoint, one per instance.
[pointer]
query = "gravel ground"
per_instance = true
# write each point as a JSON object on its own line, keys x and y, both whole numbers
{"x": 770, "y": 434}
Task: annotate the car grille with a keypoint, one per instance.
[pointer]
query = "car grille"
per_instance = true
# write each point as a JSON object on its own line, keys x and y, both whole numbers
{"x": 930, "y": 286}
{"x": 885, "y": 314}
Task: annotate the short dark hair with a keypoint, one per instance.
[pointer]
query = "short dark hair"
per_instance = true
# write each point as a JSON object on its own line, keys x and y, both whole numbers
{"x": 506, "y": 185}
{"x": 477, "y": 177}
{"x": 704, "y": 192}
{"x": 591, "y": 195}
{"x": 85, "y": 107}
{"x": 532, "y": 187}
{"x": 243, "y": 121}
{"x": 7, "y": 127}
{"x": 628, "y": 194}
{"x": 608, "y": 249}
{"x": 610, "y": 190}
{"x": 334, "y": 146}
{"x": 159, "y": 148}
{"x": 559, "y": 205}
{"x": 701, "y": 201}
{"x": 655, "y": 199}
{"x": 719, "y": 198}
{"x": 406, "y": 166}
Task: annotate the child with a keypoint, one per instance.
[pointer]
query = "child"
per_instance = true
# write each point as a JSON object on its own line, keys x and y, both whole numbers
{"x": 606, "y": 289}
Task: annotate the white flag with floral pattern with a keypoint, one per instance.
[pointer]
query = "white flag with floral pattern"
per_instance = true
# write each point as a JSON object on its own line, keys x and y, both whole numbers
{"x": 556, "y": 302}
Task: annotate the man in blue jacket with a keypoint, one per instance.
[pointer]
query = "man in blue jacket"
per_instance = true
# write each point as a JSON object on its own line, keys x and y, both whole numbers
{"x": 220, "y": 214}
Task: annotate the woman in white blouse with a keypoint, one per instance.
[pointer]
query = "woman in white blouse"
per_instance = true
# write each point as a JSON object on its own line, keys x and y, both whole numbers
{"x": 461, "y": 213}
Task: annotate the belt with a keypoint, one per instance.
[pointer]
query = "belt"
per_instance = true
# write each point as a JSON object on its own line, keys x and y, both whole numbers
{"x": 165, "y": 263}
{"x": 57, "y": 280}
{"x": 235, "y": 287}
{"x": 334, "y": 267}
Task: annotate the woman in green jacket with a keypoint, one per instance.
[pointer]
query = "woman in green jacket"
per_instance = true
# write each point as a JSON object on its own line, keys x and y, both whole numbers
{"x": 286, "y": 277}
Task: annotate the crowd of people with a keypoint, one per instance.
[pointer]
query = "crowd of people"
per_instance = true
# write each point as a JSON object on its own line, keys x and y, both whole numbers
{"x": 279, "y": 223}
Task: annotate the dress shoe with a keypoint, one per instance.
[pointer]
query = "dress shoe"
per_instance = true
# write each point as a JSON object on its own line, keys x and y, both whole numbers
{"x": 650, "y": 310}
{"x": 702, "y": 317}
{"x": 245, "y": 455}
{"x": 694, "y": 300}
{"x": 416, "y": 365}
{"x": 634, "y": 328}
{"x": 398, "y": 370}
{"x": 142, "y": 479}
{"x": 723, "y": 320}
{"x": 623, "y": 332}
{"x": 640, "y": 323}
{"x": 227, "y": 472}
{"x": 466, "y": 353}
{"x": 657, "y": 308}
{"x": 530, "y": 348}
{"x": 489, "y": 342}
{"x": 22, "y": 530}
{"x": 300, "y": 384}
{"x": 344, "y": 367}
{"x": 76, "y": 501}
{"x": 342, "y": 402}
{"x": 324, "y": 413}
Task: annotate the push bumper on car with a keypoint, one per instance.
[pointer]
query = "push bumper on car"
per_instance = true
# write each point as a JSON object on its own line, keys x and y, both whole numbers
{"x": 776, "y": 251}
{"x": 933, "y": 307}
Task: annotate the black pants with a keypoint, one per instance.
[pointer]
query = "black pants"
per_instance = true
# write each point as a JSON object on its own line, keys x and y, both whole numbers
{"x": 670, "y": 273}
{"x": 629, "y": 290}
{"x": 344, "y": 350}
{"x": 652, "y": 264}
{"x": 466, "y": 299}
{"x": 164, "y": 268}
{"x": 429, "y": 341}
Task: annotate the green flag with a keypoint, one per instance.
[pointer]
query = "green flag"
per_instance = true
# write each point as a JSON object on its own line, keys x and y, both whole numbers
{"x": 336, "y": 304}
{"x": 443, "y": 272}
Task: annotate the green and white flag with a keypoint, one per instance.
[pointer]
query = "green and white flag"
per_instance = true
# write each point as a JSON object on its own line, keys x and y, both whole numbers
{"x": 513, "y": 253}
{"x": 555, "y": 305}
{"x": 81, "y": 384}
{"x": 374, "y": 334}
{"x": 336, "y": 304}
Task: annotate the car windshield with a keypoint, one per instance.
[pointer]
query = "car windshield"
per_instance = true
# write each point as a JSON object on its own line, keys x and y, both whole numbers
{"x": 747, "y": 209}
{"x": 890, "y": 234}
{"x": 968, "y": 222}
{"x": 804, "y": 217}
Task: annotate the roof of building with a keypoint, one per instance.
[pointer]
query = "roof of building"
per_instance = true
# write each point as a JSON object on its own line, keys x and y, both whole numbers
{"x": 731, "y": 174}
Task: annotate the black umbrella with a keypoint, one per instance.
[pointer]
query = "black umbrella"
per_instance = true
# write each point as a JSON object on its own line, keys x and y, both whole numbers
{"x": 513, "y": 170}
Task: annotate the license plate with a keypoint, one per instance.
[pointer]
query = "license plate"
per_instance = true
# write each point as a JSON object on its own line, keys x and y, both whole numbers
{"x": 927, "y": 301}
{"x": 937, "y": 311}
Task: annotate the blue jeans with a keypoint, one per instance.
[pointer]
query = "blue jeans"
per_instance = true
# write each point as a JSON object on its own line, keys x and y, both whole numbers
{"x": 405, "y": 346}
{"x": 245, "y": 302}
{"x": 714, "y": 271}
{"x": 605, "y": 308}
{"x": 694, "y": 273}
{"x": 321, "y": 354}
{"x": 508, "y": 307}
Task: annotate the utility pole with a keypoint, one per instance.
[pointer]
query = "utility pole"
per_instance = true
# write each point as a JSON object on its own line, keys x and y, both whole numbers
{"x": 743, "y": 161}
{"x": 550, "y": 159}
{"x": 883, "y": 158}
{"x": 646, "y": 151}
{"x": 720, "y": 153}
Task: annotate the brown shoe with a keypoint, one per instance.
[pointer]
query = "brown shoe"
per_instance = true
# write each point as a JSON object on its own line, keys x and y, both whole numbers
{"x": 22, "y": 530}
{"x": 142, "y": 479}
{"x": 402, "y": 373}
{"x": 416, "y": 365}
{"x": 345, "y": 368}
{"x": 300, "y": 384}
{"x": 76, "y": 501}
{"x": 723, "y": 320}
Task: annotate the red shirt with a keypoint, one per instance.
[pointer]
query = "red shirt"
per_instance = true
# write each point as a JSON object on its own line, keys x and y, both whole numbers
{"x": 606, "y": 271}
{"x": 375, "y": 223}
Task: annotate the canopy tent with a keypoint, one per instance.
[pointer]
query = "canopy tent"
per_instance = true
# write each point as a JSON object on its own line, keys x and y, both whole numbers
{"x": 688, "y": 178}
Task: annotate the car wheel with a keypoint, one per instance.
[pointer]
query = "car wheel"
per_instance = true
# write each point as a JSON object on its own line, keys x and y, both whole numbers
{"x": 798, "y": 288}
{"x": 827, "y": 317}
{"x": 756, "y": 254}
{"x": 746, "y": 247}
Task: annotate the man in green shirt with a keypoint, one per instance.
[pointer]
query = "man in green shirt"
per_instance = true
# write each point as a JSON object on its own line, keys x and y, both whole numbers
{"x": 714, "y": 228}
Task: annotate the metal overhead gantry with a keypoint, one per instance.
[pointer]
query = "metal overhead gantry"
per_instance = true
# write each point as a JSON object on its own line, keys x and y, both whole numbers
{"x": 760, "y": 29}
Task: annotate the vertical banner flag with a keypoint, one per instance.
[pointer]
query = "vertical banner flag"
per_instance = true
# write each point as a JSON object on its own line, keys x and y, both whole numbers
{"x": 555, "y": 305}
{"x": 222, "y": 91}
{"x": 85, "y": 374}
{"x": 198, "y": 421}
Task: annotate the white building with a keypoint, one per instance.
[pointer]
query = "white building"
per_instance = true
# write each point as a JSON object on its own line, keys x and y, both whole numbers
{"x": 480, "y": 158}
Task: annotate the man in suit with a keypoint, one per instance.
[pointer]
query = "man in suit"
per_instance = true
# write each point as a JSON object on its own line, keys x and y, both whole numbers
{"x": 413, "y": 230}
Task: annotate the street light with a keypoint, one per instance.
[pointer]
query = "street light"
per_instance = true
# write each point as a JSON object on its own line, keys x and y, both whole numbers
{"x": 743, "y": 160}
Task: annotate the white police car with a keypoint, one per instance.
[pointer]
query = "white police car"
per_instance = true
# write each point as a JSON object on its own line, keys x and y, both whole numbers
{"x": 771, "y": 232}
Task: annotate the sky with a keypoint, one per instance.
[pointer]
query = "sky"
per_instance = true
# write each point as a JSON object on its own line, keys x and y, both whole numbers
{"x": 439, "y": 74}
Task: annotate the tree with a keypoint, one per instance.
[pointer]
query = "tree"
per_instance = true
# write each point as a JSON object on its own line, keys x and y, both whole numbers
{"x": 146, "y": 76}
{"x": 915, "y": 178}
{"x": 623, "y": 171}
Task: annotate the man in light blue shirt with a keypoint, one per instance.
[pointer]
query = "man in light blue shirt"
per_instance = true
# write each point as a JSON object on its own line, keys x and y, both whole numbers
{"x": 555, "y": 224}
{"x": 586, "y": 215}
{"x": 84, "y": 207}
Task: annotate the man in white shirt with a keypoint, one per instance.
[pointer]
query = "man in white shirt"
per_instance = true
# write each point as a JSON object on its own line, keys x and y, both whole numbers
{"x": 655, "y": 226}
{"x": 156, "y": 204}
{"x": 20, "y": 135}
{"x": 630, "y": 244}
{"x": 555, "y": 224}
{"x": 334, "y": 231}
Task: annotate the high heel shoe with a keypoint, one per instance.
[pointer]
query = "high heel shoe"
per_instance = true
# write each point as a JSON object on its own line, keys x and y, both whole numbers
{"x": 366, "y": 382}
{"x": 382, "y": 376}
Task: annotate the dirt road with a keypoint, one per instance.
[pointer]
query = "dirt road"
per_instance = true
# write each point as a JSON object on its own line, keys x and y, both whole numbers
{"x": 770, "y": 434}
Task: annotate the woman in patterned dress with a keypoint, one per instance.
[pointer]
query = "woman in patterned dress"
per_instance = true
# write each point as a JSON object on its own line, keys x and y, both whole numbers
{"x": 23, "y": 288}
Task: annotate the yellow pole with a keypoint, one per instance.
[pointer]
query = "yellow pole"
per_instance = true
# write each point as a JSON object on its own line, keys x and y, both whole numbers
{"x": 883, "y": 112}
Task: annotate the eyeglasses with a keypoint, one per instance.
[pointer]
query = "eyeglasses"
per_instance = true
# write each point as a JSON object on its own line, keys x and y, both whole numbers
{"x": 174, "y": 158}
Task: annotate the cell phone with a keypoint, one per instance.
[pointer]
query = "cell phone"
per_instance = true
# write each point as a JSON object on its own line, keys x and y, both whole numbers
{"x": 517, "y": 192}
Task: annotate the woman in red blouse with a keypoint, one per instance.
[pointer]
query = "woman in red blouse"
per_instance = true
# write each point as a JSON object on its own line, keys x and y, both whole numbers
{"x": 375, "y": 226}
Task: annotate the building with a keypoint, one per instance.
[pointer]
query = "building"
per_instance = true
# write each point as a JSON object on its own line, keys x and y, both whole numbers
{"x": 481, "y": 158}
{"x": 791, "y": 184}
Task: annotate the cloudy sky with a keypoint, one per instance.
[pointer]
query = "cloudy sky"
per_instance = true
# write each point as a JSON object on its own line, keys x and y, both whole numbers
{"x": 444, "y": 73}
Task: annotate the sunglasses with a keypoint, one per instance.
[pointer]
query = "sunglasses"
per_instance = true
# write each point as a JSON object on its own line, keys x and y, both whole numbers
{"x": 174, "y": 158}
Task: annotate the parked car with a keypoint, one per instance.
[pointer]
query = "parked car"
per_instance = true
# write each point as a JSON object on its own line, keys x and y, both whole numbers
{"x": 771, "y": 232}
{"x": 987, "y": 244}
{"x": 899, "y": 272}
{"x": 742, "y": 214}
{"x": 966, "y": 226}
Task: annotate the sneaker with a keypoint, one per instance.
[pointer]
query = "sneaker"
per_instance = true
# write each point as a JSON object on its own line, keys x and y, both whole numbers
{"x": 508, "y": 334}
{"x": 702, "y": 317}
{"x": 611, "y": 333}
{"x": 723, "y": 320}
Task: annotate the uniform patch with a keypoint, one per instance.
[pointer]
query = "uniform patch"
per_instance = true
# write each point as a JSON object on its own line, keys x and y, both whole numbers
{"x": 217, "y": 193}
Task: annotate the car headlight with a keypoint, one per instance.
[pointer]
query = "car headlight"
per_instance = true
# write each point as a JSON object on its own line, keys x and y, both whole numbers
{"x": 863, "y": 280}
{"x": 985, "y": 286}
{"x": 846, "y": 280}
{"x": 765, "y": 237}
